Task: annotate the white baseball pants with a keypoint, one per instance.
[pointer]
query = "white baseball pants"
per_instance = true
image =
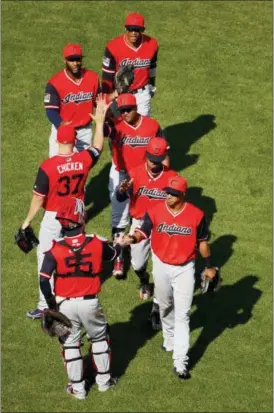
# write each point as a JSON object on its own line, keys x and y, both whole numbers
{"x": 88, "y": 314}
{"x": 143, "y": 100}
{"x": 50, "y": 229}
{"x": 83, "y": 140}
{"x": 139, "y": 252}
{"x": 174, "y": 288}
{"x": 119, "y": 210}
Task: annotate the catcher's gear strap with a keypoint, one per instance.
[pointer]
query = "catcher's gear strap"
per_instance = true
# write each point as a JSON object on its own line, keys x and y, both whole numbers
{"x": 101, "y": 356}
{"x": 77, "y": 256}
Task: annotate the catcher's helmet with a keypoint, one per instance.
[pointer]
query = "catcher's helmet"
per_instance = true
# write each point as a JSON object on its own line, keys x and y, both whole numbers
{"x": 72, "y": 211}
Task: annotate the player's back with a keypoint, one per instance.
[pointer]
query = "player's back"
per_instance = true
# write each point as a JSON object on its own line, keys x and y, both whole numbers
{"x": 67, "y": 175}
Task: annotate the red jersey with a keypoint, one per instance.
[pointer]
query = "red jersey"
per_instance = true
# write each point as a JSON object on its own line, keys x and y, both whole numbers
{"x": 78, "y": 262}
{"x": 147, "y": 191}
{"x": 129, "y": 142}
{"x": 73, "y": 100}
{"x": 174, "y": 236}
{"x": 64, "y": 175}
{"x": 119, "y": 53}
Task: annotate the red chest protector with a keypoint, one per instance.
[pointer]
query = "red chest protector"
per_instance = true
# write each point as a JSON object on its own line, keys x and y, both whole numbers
{"x": 77, "y": 267}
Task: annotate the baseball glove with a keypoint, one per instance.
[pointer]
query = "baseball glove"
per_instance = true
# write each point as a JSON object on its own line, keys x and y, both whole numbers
{"x": 211, "y": 285}
{"x": 55, "y": 324}
{"x": 26, "y": 239}
{"x": 123, "y": 78}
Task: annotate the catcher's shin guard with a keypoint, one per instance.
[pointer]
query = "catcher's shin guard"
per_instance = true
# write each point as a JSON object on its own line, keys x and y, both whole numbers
{"x": 101, "y": 356}
{"x": 73, "y": 362}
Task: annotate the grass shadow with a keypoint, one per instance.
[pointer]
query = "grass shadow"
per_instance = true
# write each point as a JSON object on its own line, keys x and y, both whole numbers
{"x": 96, "y": 194}
{"x": 215, "y": 312}
{"x": 182, "y": 135}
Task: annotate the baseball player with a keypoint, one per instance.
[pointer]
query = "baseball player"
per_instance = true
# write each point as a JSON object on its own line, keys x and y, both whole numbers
{"x": 145, "y": 188}
{"x": 69, "y": 98}
{"x": 76, "y": 261}
{"x": 138, "y": 49}
{"x": 58, "y": 177}
{"x": 129, "y": 137}
{"x": 177, "y": 229}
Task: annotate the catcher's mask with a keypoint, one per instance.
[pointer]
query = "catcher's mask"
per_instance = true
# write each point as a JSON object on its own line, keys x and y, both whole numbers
{"x": 71, "y": 213}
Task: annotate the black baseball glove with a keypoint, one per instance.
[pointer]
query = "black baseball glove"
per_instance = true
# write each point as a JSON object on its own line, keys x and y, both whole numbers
{"x": 55, "y": 324}
{"x": 26, "y": 239}
{"x": 211, "y": 285}
{"x": 123, "y": 78}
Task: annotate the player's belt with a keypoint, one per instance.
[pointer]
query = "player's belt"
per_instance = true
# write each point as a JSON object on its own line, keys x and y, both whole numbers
{"x": 85, "y": 297}
{"x": 137, "y": 90}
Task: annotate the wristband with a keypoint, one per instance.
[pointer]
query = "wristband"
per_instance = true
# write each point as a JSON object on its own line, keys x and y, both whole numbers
{"x": 208, "y": 262}
{"x": 134, "y": 238}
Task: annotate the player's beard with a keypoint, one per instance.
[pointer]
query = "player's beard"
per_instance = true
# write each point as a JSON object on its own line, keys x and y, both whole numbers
{"x": 77, "y": 74}
{"x": 157, "y": 168}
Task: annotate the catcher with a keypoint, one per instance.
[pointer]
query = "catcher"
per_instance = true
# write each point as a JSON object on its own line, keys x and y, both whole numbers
{"x": 76, "y": 261}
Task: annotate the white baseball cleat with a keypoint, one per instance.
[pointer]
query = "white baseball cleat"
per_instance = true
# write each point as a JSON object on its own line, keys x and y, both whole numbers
{"x": 77, "y": 395}
{"x": 109, "y": 385}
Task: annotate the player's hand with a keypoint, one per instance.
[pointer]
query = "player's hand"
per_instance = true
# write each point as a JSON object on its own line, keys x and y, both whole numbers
{"x": 124, "y": 241}
{"x": 209, "y": 273}
{"x": 101, "y": 109}
{"x": 125, "y": 185}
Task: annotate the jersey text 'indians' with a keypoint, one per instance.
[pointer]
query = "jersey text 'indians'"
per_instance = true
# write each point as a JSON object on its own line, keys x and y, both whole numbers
{"x": 135, "y": 62}
{"x": 77, "y": 97}
{"x": 174, "y": 229}
{"x": 134, "y": 141}
{"x": 153, "y": 193}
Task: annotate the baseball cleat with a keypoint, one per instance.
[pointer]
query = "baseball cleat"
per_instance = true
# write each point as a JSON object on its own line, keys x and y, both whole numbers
{"x": 109, "y": 385}
{"x": 182, "y": 375}
{"x": 35, "y": 314}
{"x": 144, "y": 292}
{"x": 118, "y": 270}
{"x": 77, "y": 395}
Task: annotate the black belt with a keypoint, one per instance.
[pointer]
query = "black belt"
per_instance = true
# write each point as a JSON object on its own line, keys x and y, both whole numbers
{"x": 137, "y": 90}
{"x": 85, "y": 297}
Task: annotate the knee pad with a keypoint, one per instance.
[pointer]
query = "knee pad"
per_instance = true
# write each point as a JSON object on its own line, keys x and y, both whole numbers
{"x": 101, "y": 355}
{"x": 73, "y": 362}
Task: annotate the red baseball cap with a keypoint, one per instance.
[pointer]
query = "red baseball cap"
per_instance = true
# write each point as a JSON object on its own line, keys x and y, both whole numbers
{"x": 72, "y": 50}
{"x": 66, "y": 134}
{"x": 177, "y": 185}
{"x": 157, "y": 149}
{"x": 126, "y": 100}
{"x": 135, "y": 20}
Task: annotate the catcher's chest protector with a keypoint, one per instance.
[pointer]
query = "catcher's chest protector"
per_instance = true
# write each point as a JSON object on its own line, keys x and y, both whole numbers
{"x": 85, "y": 260}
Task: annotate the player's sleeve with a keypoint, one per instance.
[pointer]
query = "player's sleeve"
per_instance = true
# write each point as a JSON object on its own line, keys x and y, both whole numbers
{"x": 146, "y": 227}
{"x": 94, "y": 153}
{"x": 202, "y": 230}
{"x": 41, "y": 185}
{"x": 110, "y": 252}
{"x": 48, "y": 266}
{"x": 52, "y": 105}
{"x": 108, "y": 71}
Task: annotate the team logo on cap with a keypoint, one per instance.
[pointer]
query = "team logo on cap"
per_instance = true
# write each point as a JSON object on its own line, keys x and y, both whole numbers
{"x": 173, "y": 229}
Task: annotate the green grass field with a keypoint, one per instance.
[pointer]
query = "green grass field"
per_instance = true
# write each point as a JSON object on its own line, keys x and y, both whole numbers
{"x": 215, "y": 62}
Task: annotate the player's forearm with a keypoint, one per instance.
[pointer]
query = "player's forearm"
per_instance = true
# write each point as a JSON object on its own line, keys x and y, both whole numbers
{"x": 35, "y": 205}
{"x": 98, "y": 141}
{"x": 205, "y": 252}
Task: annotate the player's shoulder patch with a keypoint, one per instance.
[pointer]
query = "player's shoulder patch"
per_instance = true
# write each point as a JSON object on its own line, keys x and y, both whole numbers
{"x": 47, "y": 98}
{"x": 106, "y": 61}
